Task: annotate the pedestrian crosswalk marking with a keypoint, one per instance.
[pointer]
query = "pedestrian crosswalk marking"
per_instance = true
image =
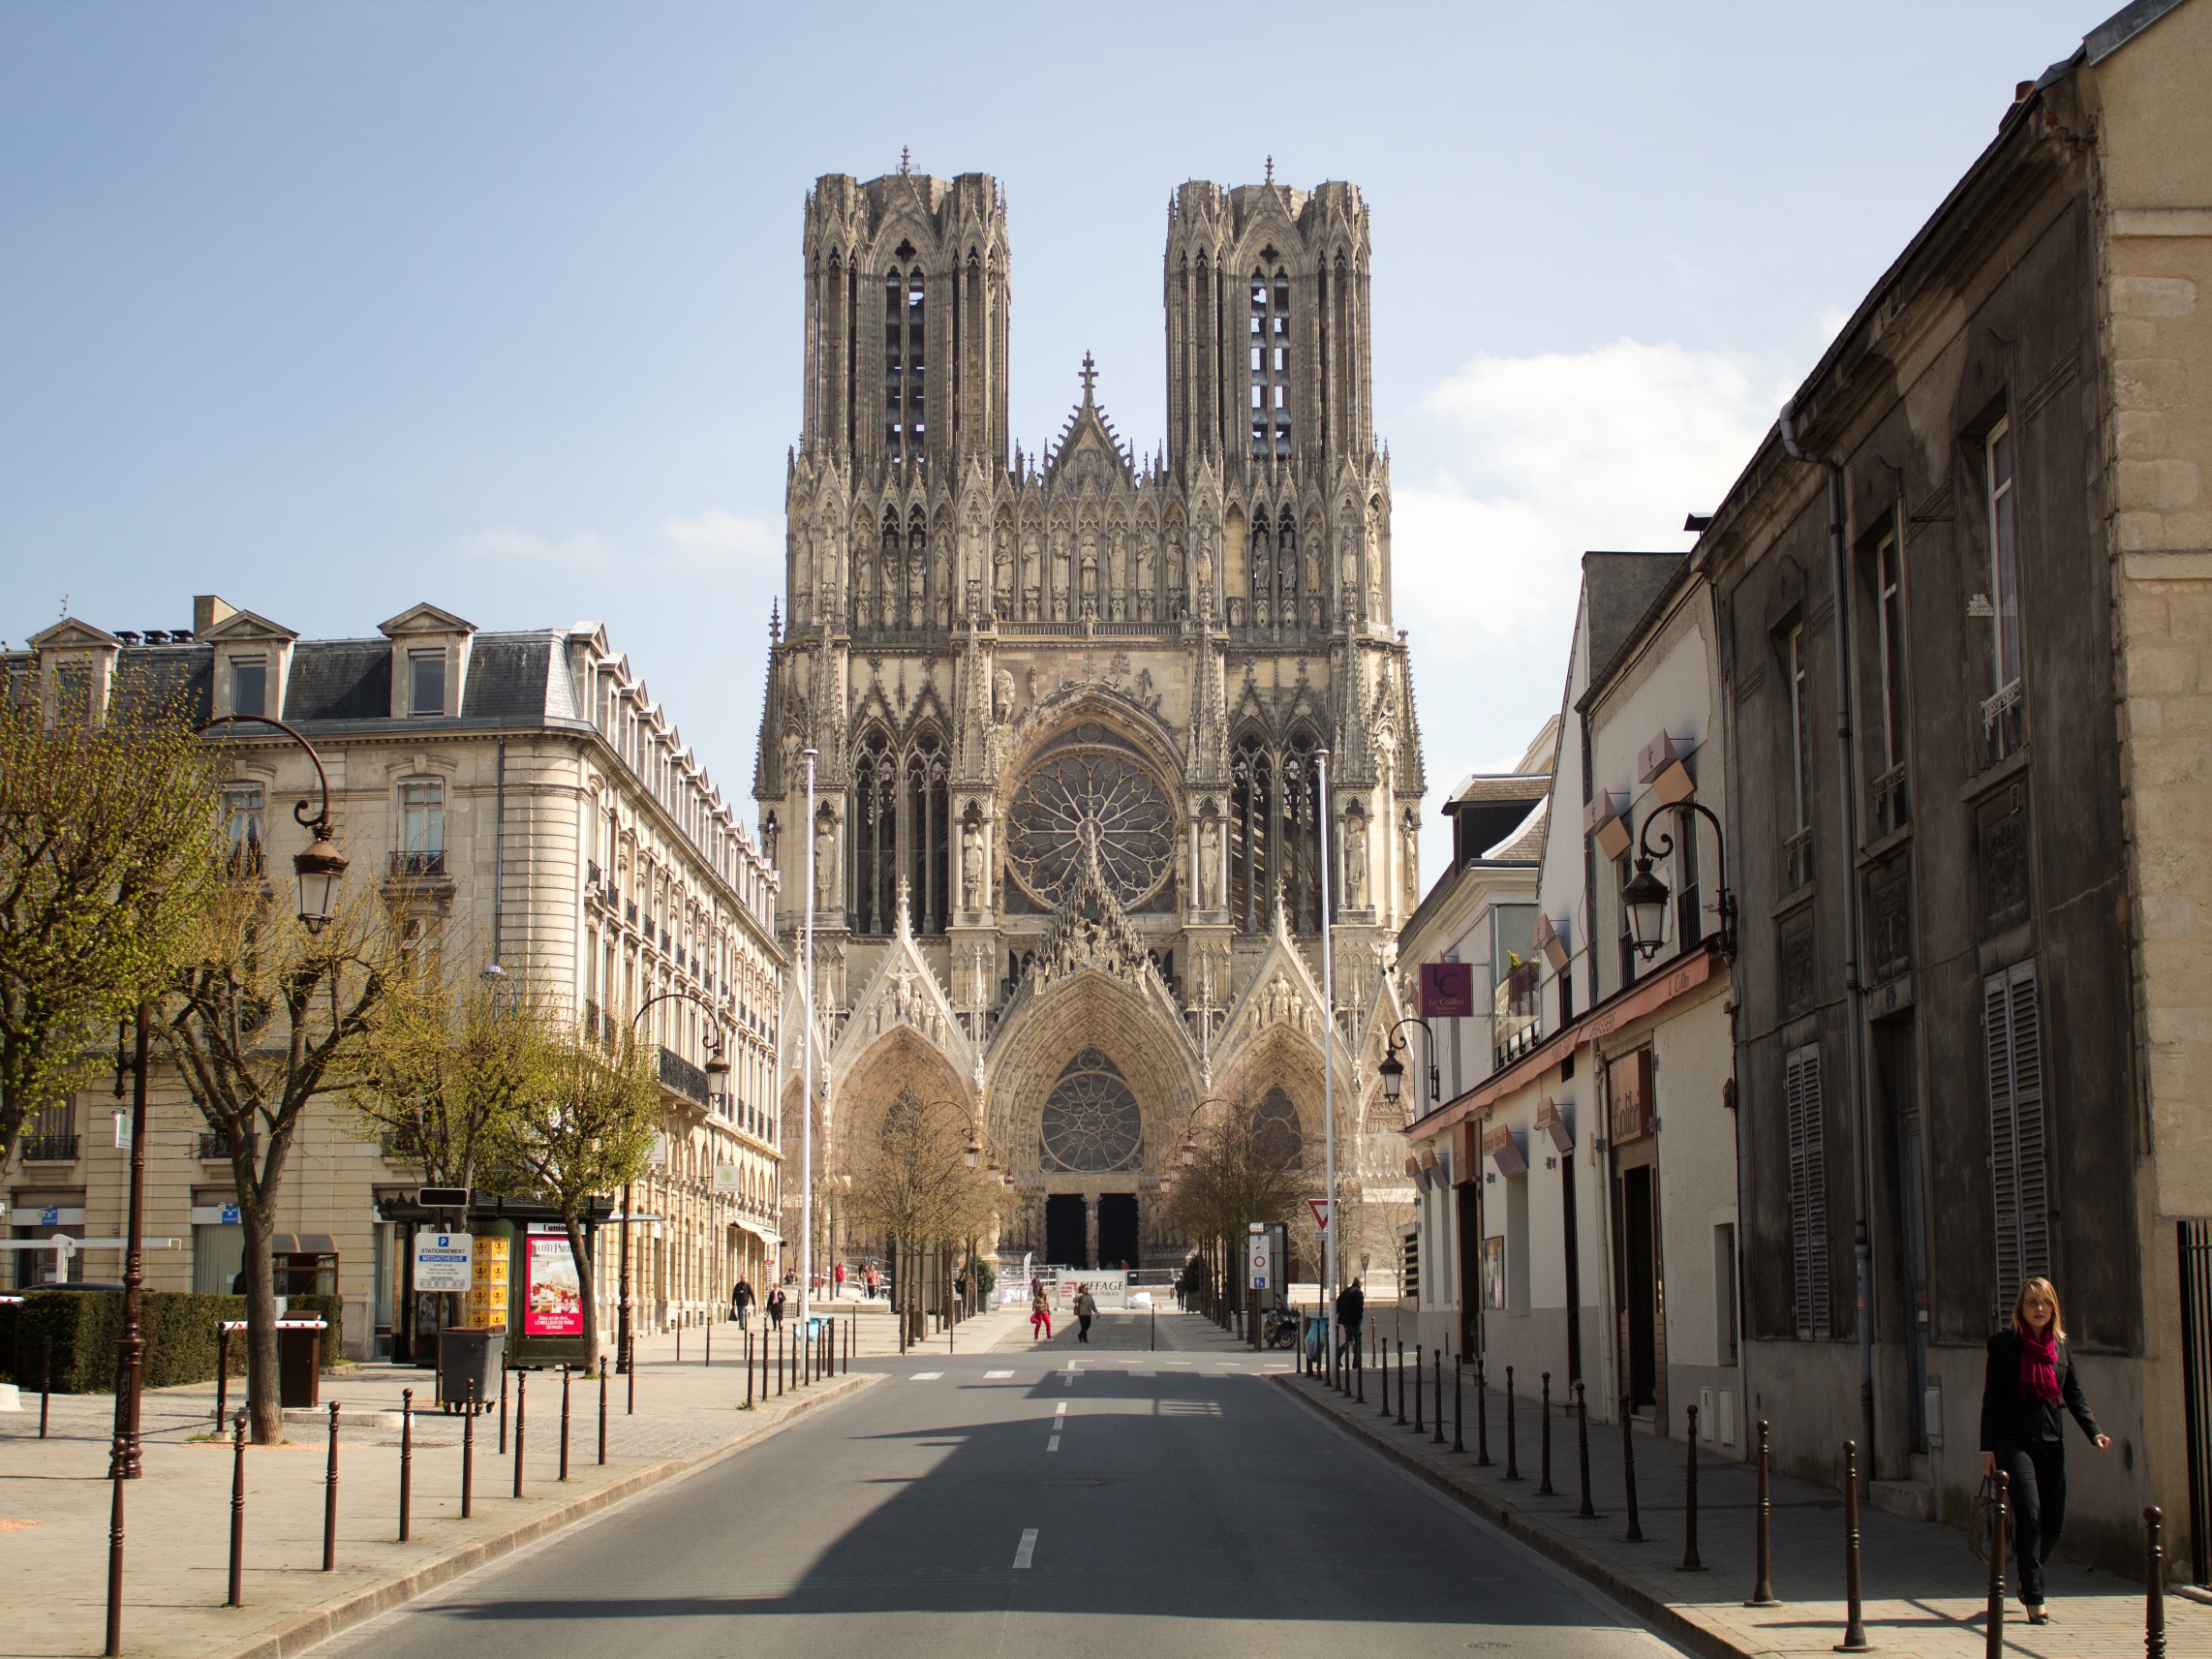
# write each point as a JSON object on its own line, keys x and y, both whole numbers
{"x": 925, "y": 1376}
{"x": 989, "y": 1375}
{"x": 1028, "y": 1546}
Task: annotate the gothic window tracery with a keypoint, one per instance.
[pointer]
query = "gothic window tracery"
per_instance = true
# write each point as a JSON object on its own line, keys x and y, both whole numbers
{"x": 1274, "y": 834}
{"x": 906, "y": 363}
{"x": 1276, "y": 1136}
{"x": 1091, "y": 1121}
{"x": 1269, "y": 343}
{"x": 1090, "y": 795}
{"x": 900, "y": 819}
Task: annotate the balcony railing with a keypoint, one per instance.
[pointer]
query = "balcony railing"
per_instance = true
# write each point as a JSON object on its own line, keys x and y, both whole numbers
{"x": 245, "y": 861}
{"x": 214, "y": 1146}
{"x": 1892, "y": 809}
{"x": 418, "y": 866}
{"x": 685, "y": 1078}
{"x": 50, "y": 1149}
{"x": 1798, "y": 860}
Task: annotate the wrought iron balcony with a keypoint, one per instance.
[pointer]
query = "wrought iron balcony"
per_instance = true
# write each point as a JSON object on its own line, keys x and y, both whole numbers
{"x": 1798, "y": 860}
{"x": 418, "y": 866}
{"x": 214, "y": 1146}
{"x": 48, "y": 1148}
{"x": 1893, "y": 808}
{"x": 685, "y": 1078}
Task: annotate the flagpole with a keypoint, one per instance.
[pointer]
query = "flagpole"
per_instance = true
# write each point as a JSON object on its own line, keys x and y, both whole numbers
{"x": 1328, "y": 1079}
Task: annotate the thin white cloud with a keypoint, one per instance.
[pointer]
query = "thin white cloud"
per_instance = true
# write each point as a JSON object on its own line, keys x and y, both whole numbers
{"x": 713, "y": 538}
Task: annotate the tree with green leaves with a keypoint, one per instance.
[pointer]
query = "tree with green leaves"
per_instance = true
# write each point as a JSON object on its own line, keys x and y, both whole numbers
{"x": 108, "y": 843}
{"x": 584, "y": 1126}
{"x": 264, "y": 1020}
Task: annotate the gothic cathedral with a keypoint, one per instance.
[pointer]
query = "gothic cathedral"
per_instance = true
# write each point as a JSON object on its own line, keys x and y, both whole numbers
{"x": 1069, "y": 823}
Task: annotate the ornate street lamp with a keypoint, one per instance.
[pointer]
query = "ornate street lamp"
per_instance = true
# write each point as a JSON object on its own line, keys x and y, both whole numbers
{"x": 321, "y": 867}
{"x": 1644, "y": 895}
{"x": 1392, "y": 1069}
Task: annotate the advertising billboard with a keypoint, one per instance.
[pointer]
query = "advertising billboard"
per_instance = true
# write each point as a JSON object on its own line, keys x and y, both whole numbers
{"x": 552, "y": 1296}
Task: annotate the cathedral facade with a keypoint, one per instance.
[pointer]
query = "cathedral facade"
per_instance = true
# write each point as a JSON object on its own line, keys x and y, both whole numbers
{"x": 1069, "y": 708}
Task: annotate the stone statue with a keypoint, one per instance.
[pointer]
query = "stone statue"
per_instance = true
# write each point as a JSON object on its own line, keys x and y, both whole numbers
{"x": 1355, "y": 863}
{"x": 825, "y": 864}
{"x": 1002, "y": 697}
{"x": 1210, "y": 863}
{"x": 971, "y": 853}
{"x": 1412, "y": 834}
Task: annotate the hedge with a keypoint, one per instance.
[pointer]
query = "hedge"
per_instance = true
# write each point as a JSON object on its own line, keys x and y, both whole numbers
{"x": 180, "y": 1331}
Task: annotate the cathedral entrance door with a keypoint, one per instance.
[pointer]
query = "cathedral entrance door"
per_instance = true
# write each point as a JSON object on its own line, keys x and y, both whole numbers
{"x": 1063, "y": 1231}
{"x": 1116, "y": 1229}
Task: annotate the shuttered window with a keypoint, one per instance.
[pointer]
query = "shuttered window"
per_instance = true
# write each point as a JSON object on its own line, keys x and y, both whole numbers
{"x": 1809, "y": 1191}
{"x": 2012, "y": 1029}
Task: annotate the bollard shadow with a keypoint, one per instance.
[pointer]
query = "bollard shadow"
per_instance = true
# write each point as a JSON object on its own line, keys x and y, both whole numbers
{"x": 1179, "y": 1496}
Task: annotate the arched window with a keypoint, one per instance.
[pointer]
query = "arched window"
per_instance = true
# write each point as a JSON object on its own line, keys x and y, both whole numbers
{"x": 1276, "y": 1137}
{"x": 928, "y": 834}
{"x": 1269, "y": 343}
{"x": 1092, "y": 1123}
{"x": 894, "y": 362}
{"x": 1251, "y": 817}
{"x": 917, "y": 565}
{"x": 875, "y": 834}
{"x": 1274, "y": 820}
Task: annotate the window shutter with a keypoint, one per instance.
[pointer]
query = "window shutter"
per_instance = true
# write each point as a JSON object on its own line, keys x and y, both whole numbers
{"x": 2018, "y": 1170}
{"x": 1809, "y": 1191}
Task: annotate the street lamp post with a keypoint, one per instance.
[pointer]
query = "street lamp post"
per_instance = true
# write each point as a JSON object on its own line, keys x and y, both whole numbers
{"x": 1327, "y": 1082}
{"x": 1645, "y": 895}
{"x": 1392, "y": 1070}
{"x": 806, "y": 1066}
{"x": 715, "y": 1067}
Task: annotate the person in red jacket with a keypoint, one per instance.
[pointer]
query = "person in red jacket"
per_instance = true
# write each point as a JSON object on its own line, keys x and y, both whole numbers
{"x": 2030, "y": 1377}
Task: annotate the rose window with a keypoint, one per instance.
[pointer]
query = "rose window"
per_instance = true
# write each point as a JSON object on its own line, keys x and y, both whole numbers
{"x": 1092, "y": 1123}
{"x": 1090, "y": 797}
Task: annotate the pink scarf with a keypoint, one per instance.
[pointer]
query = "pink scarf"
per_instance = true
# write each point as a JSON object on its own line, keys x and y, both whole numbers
{"x": 2038, "y": 1365}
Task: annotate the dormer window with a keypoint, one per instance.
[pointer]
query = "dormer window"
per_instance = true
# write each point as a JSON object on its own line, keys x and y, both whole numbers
{"x": 249, "y": 685}
{"x": 427, "y": 682}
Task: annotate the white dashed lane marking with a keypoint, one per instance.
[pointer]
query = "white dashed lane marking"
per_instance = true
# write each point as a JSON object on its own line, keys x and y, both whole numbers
{"x": 1053, "y": 1445}
{"x": 989, "y": 1376}
{"x": 1028, "y": 1549}
{"x": 925, "y": 1376}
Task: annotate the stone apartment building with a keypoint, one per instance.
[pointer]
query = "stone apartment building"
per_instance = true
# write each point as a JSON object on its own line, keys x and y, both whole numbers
{"x": 1964, "y": 599}
{"x": 523, "y": 795}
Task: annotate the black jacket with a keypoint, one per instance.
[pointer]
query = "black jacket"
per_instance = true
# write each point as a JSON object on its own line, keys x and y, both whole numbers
{"x": 2008, "y": 1415}
{"x": 1351, "y": 1306}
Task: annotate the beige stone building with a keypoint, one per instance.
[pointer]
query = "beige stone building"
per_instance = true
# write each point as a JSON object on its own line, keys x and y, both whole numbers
{"x": 524, "y": 794}
{"x": 1066, "y": 844}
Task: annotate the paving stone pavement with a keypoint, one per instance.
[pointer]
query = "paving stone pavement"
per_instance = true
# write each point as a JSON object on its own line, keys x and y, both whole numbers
{"x": 55, "y": 1499}
{"x": 1925, "y": 1594}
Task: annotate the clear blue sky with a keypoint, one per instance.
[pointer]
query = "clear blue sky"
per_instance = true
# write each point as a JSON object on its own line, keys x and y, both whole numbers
{"x": 332, "y": 308}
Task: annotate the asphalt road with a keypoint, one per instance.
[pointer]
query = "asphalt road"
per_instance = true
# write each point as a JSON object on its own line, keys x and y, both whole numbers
{"x": 1040, "y": 1502}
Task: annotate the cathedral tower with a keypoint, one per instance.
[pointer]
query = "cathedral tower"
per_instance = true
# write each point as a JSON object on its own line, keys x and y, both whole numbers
{"x": 1069, "y": 704}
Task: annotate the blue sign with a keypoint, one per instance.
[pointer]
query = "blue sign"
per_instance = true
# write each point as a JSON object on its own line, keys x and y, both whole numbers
{"x": 230, "y": 1214}
{"x": 50, "y": 1218}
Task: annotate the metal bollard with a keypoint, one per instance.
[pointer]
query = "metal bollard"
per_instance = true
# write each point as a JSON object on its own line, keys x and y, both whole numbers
{"x": 222, "y": 1377}
{"x": 604, "y": 1404}
{"x": 780, "y": 1361}
{"x": 502, "y": 1409}
{"x": 406, "y": 1457}
{"x": 521, "y": 1406}
{"x": 238, "y": 1513}
{"x": 565, "y": 1420}
{"x": 709, "y": 1358}
{"x": 1544, "y": 1444}
{"x": 1439, "y": 1365}
{"x": 1853, "y": 1622}
{"x": 1482, "y": 1417}
{"x": 679, "y": 1342}
{"x": 2153, "y": 1583}
{"x": 1763, "y": 1588}
{"x": 1690, "y": 1561}
{"x": 629, "y": 1372}
{"x": 45, "y": 1382}
{"x": 469, "y": 1452}
{"x": 1512, "y": 1432}
{"x": 331, "y": 1499}
{"x": 1417, "y": 1427}
{"x": 1358, "y": 1374}
{"x": 114, "y": 1647}
{"x": 1401, "y": 1385}
{"x": 748, "y": 1370}
{"x": 1583, "y": 1448}
{"x": 1994, "y": 1636}
{"x": 1628, "y": 1470}
{"x": 1459, "y": 1395}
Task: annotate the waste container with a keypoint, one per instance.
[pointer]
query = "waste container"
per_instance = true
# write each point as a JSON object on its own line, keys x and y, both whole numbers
{"x": 466, "y": 1357}
{"x": 299, "y": 1362}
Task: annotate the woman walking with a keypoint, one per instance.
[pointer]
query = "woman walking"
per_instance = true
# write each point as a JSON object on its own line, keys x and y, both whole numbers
{"x": 1085, "y": 1311}
{"x": 1040, "y": 1317}
{"x": 775, "y": 1306}
{"x": 2030, "y": 1377}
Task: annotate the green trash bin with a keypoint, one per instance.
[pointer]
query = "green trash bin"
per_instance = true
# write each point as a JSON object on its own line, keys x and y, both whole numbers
{"x": 469, "y": 1356}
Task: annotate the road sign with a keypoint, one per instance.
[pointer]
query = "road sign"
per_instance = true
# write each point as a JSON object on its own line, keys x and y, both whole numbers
{"x": 444, "y": 1261}
{"x": 1320, "y": 1208}
{"x": 442, "y": 1197}
{"x": 1259, "y": 1264}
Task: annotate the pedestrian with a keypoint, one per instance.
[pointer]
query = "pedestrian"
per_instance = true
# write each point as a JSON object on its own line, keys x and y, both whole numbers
{"x": 2030, "y": 1377}
{"x": 740, "y": 1300}
{"x": 841, "y": 1278}
{"x": 1085, "y": 1311}
{"x": 775, "y": 1306}
{"x": 1351, "y": 1314}
{"x": 1040, "y": 1315}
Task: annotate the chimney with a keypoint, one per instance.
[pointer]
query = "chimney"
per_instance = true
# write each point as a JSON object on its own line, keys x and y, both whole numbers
{"x": 207, "y": 611}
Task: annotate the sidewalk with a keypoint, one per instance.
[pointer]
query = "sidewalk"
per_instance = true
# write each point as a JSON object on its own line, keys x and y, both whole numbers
{"x": 1925, "y": 1594}
{"x": 55, "y": 1499}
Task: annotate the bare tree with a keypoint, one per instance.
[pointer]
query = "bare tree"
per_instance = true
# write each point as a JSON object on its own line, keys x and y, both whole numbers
{"x": 1245, "y": 1169}
{"x": 263, "y": 1020}
{"x": 108, "y": 849}
{"x": 910, "y": 1182}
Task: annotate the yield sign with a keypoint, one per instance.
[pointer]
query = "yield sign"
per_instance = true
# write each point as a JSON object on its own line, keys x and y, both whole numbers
{"x": 1320, "y": 1208}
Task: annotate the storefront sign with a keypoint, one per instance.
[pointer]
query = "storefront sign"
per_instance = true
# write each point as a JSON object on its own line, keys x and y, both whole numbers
{"x": 552, "y": 1296}
{"x": 1447, "y": 989}
{"x": 443, "y": 1262}
{"x": 1628, "y": 1082}
{"x": 725, "y": 1177}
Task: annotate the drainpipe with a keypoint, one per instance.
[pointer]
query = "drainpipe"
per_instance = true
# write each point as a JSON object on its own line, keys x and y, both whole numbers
{"x": 499, "y": 850}
{"x": 1855, "y": 1082}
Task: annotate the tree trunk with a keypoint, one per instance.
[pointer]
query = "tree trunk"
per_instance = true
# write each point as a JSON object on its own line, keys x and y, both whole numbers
{"x": 263, "y": 1383}
{"x": 581, "y": 1252}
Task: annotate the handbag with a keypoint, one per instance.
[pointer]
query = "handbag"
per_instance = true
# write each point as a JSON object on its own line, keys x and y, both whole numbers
{"x": 1984, "y": 1517}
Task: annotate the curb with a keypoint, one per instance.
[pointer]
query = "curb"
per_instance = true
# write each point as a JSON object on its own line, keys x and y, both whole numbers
{"x": 310, "y": 1629}
{"x": 1670, "y": 1621}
